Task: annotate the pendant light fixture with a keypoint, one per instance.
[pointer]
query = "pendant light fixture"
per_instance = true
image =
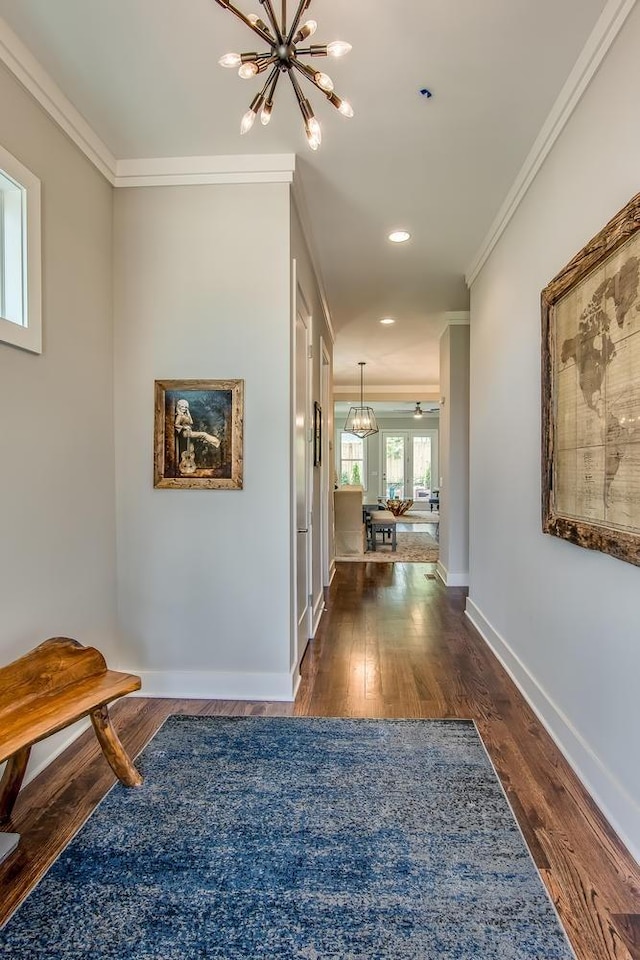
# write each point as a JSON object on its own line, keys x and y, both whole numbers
{"x": 361, "y": 421}
{"x": 418, "y": 413}
{"x": 283, "y": 57}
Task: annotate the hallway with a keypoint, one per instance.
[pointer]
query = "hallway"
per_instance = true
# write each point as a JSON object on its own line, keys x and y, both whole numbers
{"x": 393, "y": 643}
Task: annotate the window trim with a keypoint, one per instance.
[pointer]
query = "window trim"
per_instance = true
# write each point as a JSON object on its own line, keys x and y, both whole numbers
{"x": 342, "y": 431}
{"x": 28, "y": 335}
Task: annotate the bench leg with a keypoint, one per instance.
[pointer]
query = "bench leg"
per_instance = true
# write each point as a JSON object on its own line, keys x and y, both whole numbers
{"x": 112, "y": 748}
{"x": 12, "y": 781}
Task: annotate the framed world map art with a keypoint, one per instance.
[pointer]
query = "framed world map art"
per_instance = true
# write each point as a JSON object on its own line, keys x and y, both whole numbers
{"x": 591, "y": 393}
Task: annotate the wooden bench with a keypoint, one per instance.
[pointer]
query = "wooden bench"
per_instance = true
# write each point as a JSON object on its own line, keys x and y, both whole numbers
{"x": 45, "y": 691}
{"x": 382, "y": 521}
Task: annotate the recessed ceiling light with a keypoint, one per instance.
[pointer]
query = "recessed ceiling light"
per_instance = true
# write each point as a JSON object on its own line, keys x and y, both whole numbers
{"x": 387, "y": 321}
{"x": 399, "y": 236}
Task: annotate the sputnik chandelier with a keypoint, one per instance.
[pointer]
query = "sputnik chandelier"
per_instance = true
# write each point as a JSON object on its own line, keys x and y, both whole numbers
{"x": 283, "y": 57}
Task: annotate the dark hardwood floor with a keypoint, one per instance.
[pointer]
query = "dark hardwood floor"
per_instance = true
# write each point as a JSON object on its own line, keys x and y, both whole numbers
{"x": 391, "y": 644}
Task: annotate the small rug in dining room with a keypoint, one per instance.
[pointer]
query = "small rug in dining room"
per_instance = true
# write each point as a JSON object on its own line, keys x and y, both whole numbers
{"x": 259, "y": 838}
{"x": 410, "y": 548}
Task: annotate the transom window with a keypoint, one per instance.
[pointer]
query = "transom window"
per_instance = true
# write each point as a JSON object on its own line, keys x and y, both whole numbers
{"x": 13, "y": 202}
{"x": 20, "y": 268}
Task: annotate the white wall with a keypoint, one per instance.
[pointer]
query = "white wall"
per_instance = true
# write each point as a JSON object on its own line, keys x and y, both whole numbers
{"x": 57, "y": 522}
{"x": 202, "y": 290}
{"x": 566, "y": 620}
{"x": 453, "y": 565}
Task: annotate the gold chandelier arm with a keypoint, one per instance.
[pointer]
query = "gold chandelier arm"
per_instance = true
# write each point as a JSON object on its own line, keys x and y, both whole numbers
{"x": 263, "y": 64}
{"x": 271, "y": 80}
{"x": 303, "y": 5}
{"x": 316, "y": 50}
{"x": 309, "y": 74}
{"x": 303, "y": 103}
{"x": 264, "y": 34}
{"x": 300, "y": 97}
{"x": 273, "y": 20}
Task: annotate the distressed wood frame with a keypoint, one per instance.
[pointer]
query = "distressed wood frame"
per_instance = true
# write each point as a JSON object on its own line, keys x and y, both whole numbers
{"x": 593, "y": 536}
{"x": 235, "y": 482}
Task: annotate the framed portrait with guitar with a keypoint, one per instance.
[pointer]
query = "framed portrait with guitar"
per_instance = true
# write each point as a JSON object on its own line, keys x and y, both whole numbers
{"x": 199, "y": 434}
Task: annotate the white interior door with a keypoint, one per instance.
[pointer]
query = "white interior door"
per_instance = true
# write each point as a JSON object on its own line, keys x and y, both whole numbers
{"x": 302, "y": 463}
{"x": 325, "y": 474}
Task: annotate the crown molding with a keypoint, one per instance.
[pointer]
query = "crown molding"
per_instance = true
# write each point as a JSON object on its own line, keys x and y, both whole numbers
{"x": 34, "y": 78}
{"x": 456, "y": 318}
{"x": 596, "y": 48}
{"x": 161, "y": 171}
{"x": 428, "y": 393}
{"x": 300, "y": 205}
{"x": 182, "y": 171}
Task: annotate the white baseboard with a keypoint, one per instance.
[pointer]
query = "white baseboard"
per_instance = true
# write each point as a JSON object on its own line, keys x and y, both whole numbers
{"x": 318, "y": 610}
{"x": 452, "y": 579}
{"x": 8, "y": 843}
{"x": 618, "y": 806}
{"x": 213, "y": 685}
{"x": 296, "y": 681}
{"x": 76, "y": 731}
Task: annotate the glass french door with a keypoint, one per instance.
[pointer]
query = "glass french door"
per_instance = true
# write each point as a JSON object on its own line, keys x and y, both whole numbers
{"x": 409, "y": 464}
{"x": 394, "y": 465}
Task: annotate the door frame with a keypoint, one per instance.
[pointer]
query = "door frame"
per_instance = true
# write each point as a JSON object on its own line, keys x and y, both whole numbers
{"x": 301, "y": 629}
{"x": 409, "y": 434}
{"x": 325, "y": 465}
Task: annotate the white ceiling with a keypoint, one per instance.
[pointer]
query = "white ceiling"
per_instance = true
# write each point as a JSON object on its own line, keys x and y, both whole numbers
{"x": 144, "y": 74}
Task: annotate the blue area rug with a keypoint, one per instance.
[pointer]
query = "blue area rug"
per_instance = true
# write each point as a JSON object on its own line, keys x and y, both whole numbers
{"x": 297, "y": 838}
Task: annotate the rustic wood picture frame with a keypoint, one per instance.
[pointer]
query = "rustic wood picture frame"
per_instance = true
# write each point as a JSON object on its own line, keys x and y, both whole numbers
{"x": 582, "y": 270}
{"x": 198, "y": 434}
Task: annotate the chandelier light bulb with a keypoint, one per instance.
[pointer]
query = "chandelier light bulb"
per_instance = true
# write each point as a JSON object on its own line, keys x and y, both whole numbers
{"x": 255, "y": 21}
{"x": 346, "y": 109}
{"x": 324, "y": 82}
{"x": 306, "y": 30}
{"x": 265, "y": 115}
{"x": 230, "y": 60}
{"x": 247, "y": 121}
{"x": 312, "y": 139}
{"x": 248, "y": 70}
{"x": 315, "y": 129}
{"x": 339, "y": 48}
